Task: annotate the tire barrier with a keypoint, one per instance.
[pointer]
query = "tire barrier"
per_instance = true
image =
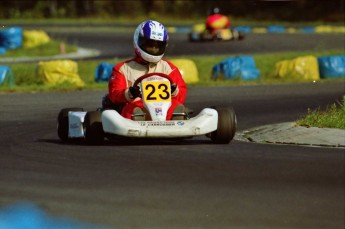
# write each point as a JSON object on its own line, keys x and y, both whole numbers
{"x": 11, "y": 38}
{"x": 6, "y": 76}
{"x": 58, "y": 72}
{"x": 16, "y": 37}
{"x": 2, "y": 51}
{"x": 331, "y": 66}
{"x": 34, "y": 38}
{"x": 289, "y": 29}
{"x": 188, "y": 70}
{"x": 187, "y": 67}
{"x": 103, "y": 72}
{"x": 30, "y": 215}
{"x": 300, "y": 68}
{"x": 239, "y": 67}
{"x": 265, "y": 29}
{"x": 311, "y": 68}
{"x": 305, "y": 67}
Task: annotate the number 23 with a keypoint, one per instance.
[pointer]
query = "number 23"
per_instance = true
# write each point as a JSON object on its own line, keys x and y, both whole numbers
{"x": 163, "y": 92}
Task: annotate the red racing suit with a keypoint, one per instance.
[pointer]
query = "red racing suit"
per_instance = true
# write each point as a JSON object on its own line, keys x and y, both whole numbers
{"x": 124, "y": 75}
{"x": 217, "y": 21}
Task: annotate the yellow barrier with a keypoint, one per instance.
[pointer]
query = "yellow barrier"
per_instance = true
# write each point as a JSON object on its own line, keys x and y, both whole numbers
{"x": 259, "y": 30}
{"x": 329, "y": 29}
{"x": 199, "y": 28}
{"x": 291, "y": 30}
{"x": 171, "y": 29}
{"x": 33, "y": 38}
{"x": 59, "y": 71}
{"x": 299, "y": 68}
{"x": 188, "y": 70}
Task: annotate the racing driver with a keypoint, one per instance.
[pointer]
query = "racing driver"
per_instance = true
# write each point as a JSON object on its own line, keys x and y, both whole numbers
{"x": 216, "y": 20}
{"x": 150, "y": 41}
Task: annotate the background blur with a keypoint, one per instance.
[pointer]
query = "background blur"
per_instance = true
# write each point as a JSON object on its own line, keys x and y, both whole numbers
{"x": 328, "y": 11}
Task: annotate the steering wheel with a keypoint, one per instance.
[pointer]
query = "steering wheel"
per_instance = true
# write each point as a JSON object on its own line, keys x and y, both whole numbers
{"x": 152, "y": 74}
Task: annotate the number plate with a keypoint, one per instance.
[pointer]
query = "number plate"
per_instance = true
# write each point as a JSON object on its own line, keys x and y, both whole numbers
{"x": 156, "y": 91}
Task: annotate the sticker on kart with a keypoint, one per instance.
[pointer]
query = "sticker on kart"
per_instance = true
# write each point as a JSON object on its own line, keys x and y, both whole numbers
{"x": 166, "y": 123}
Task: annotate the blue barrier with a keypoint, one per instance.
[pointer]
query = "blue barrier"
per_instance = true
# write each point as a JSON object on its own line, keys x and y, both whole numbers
{"x": 276, "y": 29}
{"x": 243, "y": 29}
{"x": 2, "y": 51}
{"x": 6, "y": 76}
{"x": 11, "y": 38}
{"x": 308, "y": 29}
{"x": 269, "y": 29}
{"x": 239, "y": 67}
{"x": 26, "y": 215}
{"x": 103, "y": 72}
{"x": 331, "y": 66}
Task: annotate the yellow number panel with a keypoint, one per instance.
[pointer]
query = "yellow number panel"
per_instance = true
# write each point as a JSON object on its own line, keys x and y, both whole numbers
{"x": 156, "y": 91}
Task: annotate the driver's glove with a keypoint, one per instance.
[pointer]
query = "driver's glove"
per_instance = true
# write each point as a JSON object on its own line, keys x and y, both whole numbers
{"x": 134, "y": 92}
{"x": 173, "y": 89}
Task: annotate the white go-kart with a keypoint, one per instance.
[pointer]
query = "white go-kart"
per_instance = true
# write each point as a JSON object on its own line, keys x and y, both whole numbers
{"x": 219, "y": 124}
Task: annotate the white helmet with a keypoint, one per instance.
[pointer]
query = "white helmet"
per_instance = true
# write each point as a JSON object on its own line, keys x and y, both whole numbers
{"x": 150, "y": 40}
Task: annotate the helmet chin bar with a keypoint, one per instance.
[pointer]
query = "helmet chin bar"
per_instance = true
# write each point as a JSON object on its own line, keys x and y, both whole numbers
{"x": 147, "y": 57}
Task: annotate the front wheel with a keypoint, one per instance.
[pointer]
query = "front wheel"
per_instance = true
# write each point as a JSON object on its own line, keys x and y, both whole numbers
{"x": 63, "y": 124}
{"x": 94, "y": 134}
{"x": 226, "y": 128}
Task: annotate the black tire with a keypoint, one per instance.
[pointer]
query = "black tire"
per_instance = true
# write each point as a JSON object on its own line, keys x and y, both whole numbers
{"x": 94, "y": 134}
{"x": 193, "y": 37}
{"x": 241, "y": 36}
{"x": 226, "y": 128}
{"x": 62, "y": 122}
{"x": 189, "y": 112}
{"x": 236, "y": 35}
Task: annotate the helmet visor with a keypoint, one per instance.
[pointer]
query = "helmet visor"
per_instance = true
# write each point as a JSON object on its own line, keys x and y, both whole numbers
{"x": 152, "y": 47}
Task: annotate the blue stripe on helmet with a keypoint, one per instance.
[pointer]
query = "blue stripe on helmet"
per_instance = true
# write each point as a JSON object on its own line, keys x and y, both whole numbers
{"x": 147, "y": 31}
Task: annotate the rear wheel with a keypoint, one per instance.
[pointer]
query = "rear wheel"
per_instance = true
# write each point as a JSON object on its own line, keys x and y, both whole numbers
{"x": 236, "y": 35}
{"x": 94, "y": 134}
{"x": 226, "y": 127}
{"x": 240, "y": 36}
{"x": 62, "y": 122}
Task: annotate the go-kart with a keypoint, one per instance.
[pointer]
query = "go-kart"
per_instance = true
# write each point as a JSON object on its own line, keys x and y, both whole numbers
{"x": 219, "y": 124}
{"x": 200, "y": 33}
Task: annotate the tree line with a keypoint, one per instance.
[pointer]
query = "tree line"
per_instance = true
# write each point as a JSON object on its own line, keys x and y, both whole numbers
{"x": 287, "y": 10}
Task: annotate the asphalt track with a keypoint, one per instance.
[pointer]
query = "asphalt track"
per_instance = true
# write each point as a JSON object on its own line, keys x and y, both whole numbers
{"x": 120, "y": 45}
{"x": 186, "y": 184}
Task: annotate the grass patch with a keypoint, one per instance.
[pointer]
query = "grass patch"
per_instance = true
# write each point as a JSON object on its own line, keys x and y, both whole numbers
{"x": 49, "y": 49}
{"x": 332, "y": 117}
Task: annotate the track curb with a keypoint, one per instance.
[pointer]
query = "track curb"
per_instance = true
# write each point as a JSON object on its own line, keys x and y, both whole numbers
{"x": 292, "y": 134}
